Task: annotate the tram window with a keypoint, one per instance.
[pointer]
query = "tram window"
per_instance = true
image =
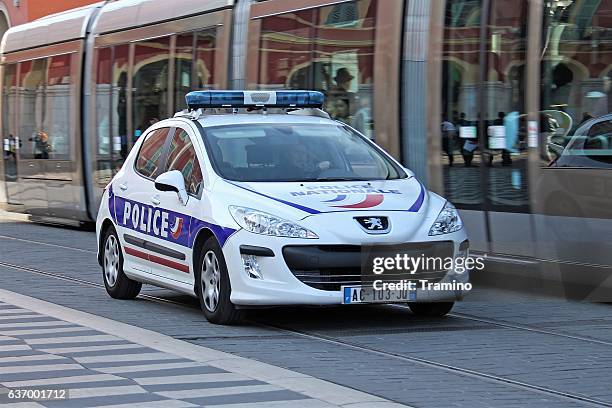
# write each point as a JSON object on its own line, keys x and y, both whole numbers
{"x": 343, "y": 63}
{"x": 328, "y": 48}
{"x": 483, "y": 145}
{"x": 103, "y": 97}
{"x": 205, "y": 59}
{"x": 182, "y": 157}
{"x": 183, "y": 67}
{"x": 104, "y": 143}
{"x": 504, "y": 140}
{"x": 9, "y": 103}
{"x": 57, "y": 124}
{"x": 149, "y": 160}
{"x": 576, "y": 76}
{"x": 35, "y": 143}
{"x": 285, "y": 50}
{"x": 119, "y": 78}
{"x": 459, "y": 120}
{"x": 150, "y": 83}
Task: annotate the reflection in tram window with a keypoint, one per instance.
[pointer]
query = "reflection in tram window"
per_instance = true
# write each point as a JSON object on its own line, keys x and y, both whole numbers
{"x": 119, "y": 78}
{"x": 103, "y": 98}
{"x": 58, "y": 110}
{"x": 9, "y": 100}
{"x": 183, "y": 67}
{"x": 150, "y": 83}
{"x": 111, "y": 121}
{"x": 328, "y": 48}
{"x": 31, "y": 117}
{"x": 461, "y": 156}
{"x": 483, "y": 118}
{"x": 576, "y": 74}
{"x": 205, "y": 59}
{"x": 103, "y": 89}
{"x": 505, "y": 150}
{"x": 203, "y": 45}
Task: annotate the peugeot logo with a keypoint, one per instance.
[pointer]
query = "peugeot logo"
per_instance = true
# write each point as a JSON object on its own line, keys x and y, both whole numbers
{"x": 374, "y": 225}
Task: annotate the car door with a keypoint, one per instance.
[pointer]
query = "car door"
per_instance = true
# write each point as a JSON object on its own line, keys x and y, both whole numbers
{"x": 171, "y": 251}
{"x": 138, "y": 215}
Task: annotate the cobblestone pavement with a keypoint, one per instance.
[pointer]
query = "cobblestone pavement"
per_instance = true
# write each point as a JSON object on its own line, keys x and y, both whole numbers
{"x": 497, "y": 350}
{"x": 42, "y": 353}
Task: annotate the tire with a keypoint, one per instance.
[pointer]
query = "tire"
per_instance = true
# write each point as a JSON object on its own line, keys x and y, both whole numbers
{"x": 434, "y": 309}
{"x": 213, "y": 286}
{"x": 117, "y": 284}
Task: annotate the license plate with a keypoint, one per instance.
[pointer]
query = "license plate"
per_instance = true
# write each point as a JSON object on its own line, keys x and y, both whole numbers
{"x": 367, "y": 294}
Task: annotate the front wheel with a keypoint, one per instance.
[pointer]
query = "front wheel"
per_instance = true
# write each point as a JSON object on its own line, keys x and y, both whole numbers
{"x": 117, "y": 284}
{"x": 436, "y": 309}
{"x": 213, "y": 285}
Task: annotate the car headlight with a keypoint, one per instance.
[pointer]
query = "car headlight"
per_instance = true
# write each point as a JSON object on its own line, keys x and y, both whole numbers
{"x": 263, "y": 223}
{"x": 448, "y": 221}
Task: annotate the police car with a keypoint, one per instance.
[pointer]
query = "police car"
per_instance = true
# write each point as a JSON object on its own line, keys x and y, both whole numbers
{"x": 243, "y": 207}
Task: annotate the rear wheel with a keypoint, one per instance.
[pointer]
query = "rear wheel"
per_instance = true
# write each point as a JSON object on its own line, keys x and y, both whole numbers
{"x": 213, "y": 285}
{"x": 436, "y": 309}
{"x": 117, "y": 284}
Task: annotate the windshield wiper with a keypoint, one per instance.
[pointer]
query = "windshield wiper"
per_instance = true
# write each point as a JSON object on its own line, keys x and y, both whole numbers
{"x": 337, "y": 179}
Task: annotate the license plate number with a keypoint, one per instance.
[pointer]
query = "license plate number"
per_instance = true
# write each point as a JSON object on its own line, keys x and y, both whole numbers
{"x": 367, "y": 294}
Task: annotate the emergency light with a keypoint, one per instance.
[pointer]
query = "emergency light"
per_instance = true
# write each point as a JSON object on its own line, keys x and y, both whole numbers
{"x": 245, "y": 99}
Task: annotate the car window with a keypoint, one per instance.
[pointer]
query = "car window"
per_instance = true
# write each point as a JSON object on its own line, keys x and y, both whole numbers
{"x": 182, "y": 157}
{"x": 598, "y": 143}
{"x": 295, "y": 152}
{"x": 149, "y": 160}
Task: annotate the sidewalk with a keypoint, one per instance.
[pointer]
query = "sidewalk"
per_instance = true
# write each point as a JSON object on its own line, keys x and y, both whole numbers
{"x": 107, "y": 363}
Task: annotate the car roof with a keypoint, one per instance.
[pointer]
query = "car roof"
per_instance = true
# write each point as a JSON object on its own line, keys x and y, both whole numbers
{"x": 251, "y": 118}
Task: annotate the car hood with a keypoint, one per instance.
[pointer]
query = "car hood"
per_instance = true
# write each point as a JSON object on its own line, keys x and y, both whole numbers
{"x": 336, "y": 196}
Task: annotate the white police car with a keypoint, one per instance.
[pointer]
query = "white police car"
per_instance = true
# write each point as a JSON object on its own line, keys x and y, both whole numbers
{"x": 254, "y": 209}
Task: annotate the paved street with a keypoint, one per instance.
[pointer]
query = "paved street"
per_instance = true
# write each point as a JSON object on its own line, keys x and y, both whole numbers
{"x": 101, "y": 369}
{"x": 497, "y": 349}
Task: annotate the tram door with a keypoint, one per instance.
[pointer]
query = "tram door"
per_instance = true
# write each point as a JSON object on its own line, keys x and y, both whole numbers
{"x": 10, "y": 142}
{"x": 483, "y": 117}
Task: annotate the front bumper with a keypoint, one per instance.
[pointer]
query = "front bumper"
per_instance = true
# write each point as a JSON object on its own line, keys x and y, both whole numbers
{"x": 281, "y": 285}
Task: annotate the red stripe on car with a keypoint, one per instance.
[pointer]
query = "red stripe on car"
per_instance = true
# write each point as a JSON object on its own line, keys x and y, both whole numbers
{"x": 156, "y": 259}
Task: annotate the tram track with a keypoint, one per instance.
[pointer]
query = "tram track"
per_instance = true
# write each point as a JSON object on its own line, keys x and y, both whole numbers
{"x": 464, "y": 316}
{"x": 449, "y": 368}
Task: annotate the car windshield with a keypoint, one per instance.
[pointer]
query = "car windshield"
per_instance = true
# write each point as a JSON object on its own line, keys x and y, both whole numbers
{"x": 295, "y": 152}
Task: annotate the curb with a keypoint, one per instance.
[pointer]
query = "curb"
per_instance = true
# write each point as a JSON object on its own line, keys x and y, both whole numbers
{"x": 304, "y": 384}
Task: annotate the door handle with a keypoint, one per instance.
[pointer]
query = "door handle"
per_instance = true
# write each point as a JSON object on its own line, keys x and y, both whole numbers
{"x": 31, "y": 165}
{"x": 58, "y": 166}
{"x": 155, "y": 200}
{"x": 123, "y": 187}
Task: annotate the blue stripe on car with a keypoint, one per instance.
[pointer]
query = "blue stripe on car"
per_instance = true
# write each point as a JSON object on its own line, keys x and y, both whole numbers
{"x": 189, "y": 228}
{"x": 294, "y": 205}
{"x": 419, "y": 202}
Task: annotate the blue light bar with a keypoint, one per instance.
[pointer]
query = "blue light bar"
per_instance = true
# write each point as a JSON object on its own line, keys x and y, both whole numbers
{"x": 245, "y": 99}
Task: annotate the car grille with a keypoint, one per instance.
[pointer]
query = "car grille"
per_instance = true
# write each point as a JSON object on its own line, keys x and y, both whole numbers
{"x": 328, "y": 267}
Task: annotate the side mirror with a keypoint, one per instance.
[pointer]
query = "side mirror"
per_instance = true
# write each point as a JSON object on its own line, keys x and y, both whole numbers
{"x": 173, "y": 181}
